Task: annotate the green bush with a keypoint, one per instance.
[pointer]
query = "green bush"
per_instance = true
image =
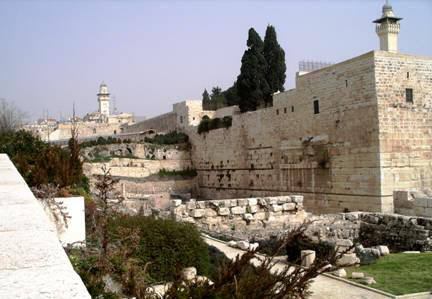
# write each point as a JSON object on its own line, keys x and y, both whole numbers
{"x": 172, "y": 137}
{"x": 188, "y": 172}
{"x": 208, "y": 124}
{"x": 168, "y": 245}
{"x": 42, "y": 163}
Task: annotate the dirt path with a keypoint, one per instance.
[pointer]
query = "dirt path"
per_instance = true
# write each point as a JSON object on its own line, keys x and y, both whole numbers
{"x": 322, "y": 287}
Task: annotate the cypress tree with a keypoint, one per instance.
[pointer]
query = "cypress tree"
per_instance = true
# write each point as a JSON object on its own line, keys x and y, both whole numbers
{"x": 275, "y": 57}
{"x": 252, "y": 86}
{"x": 205, "y": 100}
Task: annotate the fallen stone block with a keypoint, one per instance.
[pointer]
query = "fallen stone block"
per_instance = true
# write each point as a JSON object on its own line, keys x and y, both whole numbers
{"x": 253, "y": 246}
{"x": 348, "y": 259}
{"x": 232, "y": 243}
{"x": 243, "y": 245}
{"x": 189, "y": 273}
{"x": 357, "y": 275}
{"x": 383, "y": 250}
{"x": 340, "y": 273}
{"x": 281, "y": 200}
{"x": 368, "y": 280}
{"x": 288, "y": 206}
{"x": 307, "y": 258}
{"x": 271, "y": 200}
{"x": 368, "y": 256}
{"x": 276, "y": 208}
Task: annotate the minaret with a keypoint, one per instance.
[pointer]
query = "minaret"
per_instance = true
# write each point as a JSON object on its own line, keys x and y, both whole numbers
{"x": 103, "y": 99}
{"x": 388, "y": 28}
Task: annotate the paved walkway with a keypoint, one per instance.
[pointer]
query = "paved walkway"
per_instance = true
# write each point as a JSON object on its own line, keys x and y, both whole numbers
{"x": 322, "y": 287}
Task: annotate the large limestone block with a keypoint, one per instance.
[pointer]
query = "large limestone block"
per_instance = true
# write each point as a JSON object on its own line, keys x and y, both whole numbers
{"x": 176, "y": 202}
{"x": 252, "y": 201}
{"x": 271, "y": 200}
{"x": 201, "y": 204}
{"x": 243, "y": 245}
{"x": 248, "y": 217}
{"x": 262, "y": 202}
{"x": 198, "y": 213}
{"x": 297, "y": 198}
{"x": 191, "y": 205}
{"x": 238, "y": 210}
{"x": 189, "y": 273}
{"x": 276, "y": 208}
{"x": 348, "y": 259}
{"x": 242, "y": 202}
{"x": 260, "y": 215}
{"x": 384, "y": 250}
{"x": 252, "y": 209}
{"x": 307, "y": 257}
{"x": 288, "y": 206}
{"x": 340, "y": 273}
{"x": 223, "y": 211}
{"x": 281, "y": 200}
{"x": 210, "y": 213}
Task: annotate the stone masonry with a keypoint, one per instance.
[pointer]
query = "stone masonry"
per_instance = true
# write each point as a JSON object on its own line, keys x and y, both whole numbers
{"x": 237, "y": 217}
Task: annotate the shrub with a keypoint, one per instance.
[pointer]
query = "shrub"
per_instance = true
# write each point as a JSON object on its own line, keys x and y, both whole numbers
{"x": 207, "y": 124}
{"x": 188, "y": 172}
{"x": 168, "y": 245}
{"x": 172, "y": 137}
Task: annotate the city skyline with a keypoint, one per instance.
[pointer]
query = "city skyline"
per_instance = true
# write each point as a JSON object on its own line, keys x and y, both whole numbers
{"x": 153, "y": 54}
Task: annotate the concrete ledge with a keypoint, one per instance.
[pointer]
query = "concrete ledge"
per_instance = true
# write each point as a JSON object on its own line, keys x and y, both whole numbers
{"x": 33, "y": 263}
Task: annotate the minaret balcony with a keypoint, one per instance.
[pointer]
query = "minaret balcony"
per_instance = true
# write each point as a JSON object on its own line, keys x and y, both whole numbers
{"x": 387, "y": 28}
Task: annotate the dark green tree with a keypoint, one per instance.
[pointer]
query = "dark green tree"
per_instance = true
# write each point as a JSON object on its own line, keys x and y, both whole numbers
{"x": 252, "y": 85}
{"x": 275, "y": 57}
{"x": 205, "y": 100}
{"x": 217, "y": 98}
{"x": 231, "y": 95}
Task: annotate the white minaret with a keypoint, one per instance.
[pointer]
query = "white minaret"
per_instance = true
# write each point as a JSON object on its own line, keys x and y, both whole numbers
{"x": 387, "y": 28}
{"x": 103, "y": 99}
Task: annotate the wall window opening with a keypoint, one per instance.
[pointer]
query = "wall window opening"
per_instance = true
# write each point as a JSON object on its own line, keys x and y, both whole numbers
{"x": 346, "y": 83}
{"x": 181, "y": 119}
{"x": 277, "y": 111}
{"x": 292, "y": 108}
{"x": 407, "y": 75}
{"x": 316, "y": 107}
{"x": 409, "y": 97}
{"x": 285, "y": 110}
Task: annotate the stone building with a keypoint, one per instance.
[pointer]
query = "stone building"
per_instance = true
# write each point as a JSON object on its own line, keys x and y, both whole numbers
{"x": 347, "y": 137}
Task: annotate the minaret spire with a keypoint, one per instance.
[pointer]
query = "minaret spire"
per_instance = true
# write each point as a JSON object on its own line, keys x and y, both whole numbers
{"x": 387, "y": 29}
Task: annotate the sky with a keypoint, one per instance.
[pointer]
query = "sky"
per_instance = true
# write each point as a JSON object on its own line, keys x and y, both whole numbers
{"x": 152, "y": 54}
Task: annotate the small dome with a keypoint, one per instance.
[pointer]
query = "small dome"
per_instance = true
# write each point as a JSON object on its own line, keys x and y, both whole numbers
{"x": 387, "y": 10}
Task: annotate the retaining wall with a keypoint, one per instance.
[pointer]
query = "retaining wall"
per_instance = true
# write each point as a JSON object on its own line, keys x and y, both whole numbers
{"x": 33, "y": 263}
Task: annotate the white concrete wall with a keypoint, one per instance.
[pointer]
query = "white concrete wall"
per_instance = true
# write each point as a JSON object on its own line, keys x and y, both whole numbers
{"x": 33, "y": 263}
{"x": 73, "y": 230}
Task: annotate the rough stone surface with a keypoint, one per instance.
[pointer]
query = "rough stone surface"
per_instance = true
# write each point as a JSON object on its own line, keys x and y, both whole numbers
{"x": 348, "y": 259}
{"x": 32, "y": 262}
{"x": 243, "y": 245}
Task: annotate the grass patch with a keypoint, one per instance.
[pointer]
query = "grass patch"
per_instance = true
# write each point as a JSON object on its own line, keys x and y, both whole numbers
{"x": 188, "y": 172}
{"x": 400, "y": 273}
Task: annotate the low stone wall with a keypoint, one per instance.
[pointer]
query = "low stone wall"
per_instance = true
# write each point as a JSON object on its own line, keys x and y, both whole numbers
{"x": 139, "y": 150}
{"x": 413, "y": 203}
{"x": 162, "y": 123}
{"x": 257, "y": 217}
{"x": 398, "y": 232}
{"x": 135, "y": 168}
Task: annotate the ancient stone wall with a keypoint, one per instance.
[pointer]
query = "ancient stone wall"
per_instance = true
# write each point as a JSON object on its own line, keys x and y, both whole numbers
{"x": 139, "y": 150}
{"x": 85, "y": 130}
{"x": 243, "y": 216}
{"x": 405, "y": 126}
{"x": 162, "y": 123}
{"x": 413, "y": 203}
{"x": 330, "y": 157}
{"x": 135, "y": 168}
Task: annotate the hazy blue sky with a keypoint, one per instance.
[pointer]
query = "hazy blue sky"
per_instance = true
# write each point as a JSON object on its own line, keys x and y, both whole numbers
{"x": 155, "y": 53}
